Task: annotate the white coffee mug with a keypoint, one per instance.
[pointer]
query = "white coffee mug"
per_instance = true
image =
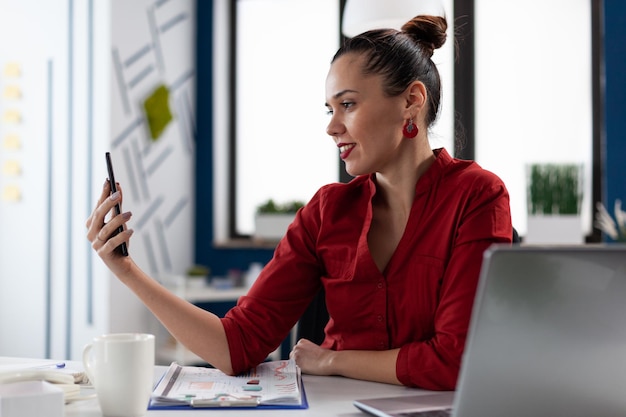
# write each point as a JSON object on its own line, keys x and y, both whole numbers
{"x": 121, "y": 368}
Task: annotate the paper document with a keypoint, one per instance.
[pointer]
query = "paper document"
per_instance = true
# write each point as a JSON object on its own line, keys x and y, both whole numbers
{"x": 275, "y": 383}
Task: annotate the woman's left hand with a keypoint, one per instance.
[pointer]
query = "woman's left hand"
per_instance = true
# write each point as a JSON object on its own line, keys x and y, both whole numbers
{"x": 101, "y": 234}
{"x": 312, "y": 359}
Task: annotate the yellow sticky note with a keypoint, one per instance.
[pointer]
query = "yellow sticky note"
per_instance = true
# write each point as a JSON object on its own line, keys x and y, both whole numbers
{"x": 11, "y": 193}
{"x": 11, "y": 142}
{"x": 12, "y": 116}
{"x": 12, "y": 168}
{"x": 12, "y": 92}
{"x": 12, "y": 70}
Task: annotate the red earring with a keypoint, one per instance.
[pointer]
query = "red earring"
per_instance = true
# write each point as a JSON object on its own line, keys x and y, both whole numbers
{"x": 410, "y": 130}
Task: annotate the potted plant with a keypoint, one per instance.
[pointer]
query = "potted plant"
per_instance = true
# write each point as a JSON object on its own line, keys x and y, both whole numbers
{"x": 554, "y": 201}
{"x": 197, "y": 276}
{"x": 272, "y": 219}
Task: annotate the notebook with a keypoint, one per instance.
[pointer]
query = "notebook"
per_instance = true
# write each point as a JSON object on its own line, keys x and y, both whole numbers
{"x": 271, "y": 384}
{"x": 547, "y": 336}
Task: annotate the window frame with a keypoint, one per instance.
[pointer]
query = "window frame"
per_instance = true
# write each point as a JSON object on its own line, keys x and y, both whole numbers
{"x": 233, "y": 233}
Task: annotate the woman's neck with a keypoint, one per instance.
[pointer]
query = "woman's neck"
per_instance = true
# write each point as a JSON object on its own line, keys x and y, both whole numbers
{"x": 396, "y": 187}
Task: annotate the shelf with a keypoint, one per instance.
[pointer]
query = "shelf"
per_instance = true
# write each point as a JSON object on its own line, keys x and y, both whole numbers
{"x": 208, "y": 294}
{"x": 246, "y": 243}
{"x": 201, "y": 292}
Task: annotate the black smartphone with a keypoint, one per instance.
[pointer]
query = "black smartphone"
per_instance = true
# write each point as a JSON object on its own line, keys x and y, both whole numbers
{"x": 121, "y": 249}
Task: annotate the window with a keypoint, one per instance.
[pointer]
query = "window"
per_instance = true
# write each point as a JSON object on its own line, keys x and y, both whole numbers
{"x": 534, "y": 96}
{"x": 282, "y": 151}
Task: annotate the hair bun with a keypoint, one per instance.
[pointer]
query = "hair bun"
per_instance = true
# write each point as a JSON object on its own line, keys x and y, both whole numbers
{"x": 428, "y": 31}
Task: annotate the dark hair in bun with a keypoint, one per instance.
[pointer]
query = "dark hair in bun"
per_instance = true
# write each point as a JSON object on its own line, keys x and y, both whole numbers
{"x": 427, "y": 31}
{"x": 402, "y": 57}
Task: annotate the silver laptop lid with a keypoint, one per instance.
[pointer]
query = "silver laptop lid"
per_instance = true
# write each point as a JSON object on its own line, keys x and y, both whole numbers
{"x": 548, "y": 334}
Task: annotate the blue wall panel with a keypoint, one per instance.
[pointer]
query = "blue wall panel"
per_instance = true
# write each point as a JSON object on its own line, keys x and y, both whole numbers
{"x": 615, "y": 70}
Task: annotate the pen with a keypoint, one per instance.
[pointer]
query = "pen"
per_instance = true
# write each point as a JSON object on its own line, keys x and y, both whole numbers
{"x": 58, "y": 365}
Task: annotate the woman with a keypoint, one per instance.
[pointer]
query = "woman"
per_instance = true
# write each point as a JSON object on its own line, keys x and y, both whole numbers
{"x": 398, "y": 250}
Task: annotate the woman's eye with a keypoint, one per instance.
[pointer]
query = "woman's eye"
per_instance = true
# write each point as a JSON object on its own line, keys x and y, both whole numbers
{"x": 346, "y": 105}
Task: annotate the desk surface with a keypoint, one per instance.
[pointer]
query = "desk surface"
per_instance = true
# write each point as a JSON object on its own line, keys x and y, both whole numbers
{"x": 327, "y": 395}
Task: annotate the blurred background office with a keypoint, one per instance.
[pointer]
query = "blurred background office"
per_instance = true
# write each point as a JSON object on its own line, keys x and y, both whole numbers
{"x": 210, "y": 108}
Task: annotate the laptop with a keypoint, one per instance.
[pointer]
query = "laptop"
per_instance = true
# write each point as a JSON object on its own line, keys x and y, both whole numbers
{"x": 547, "y": 338}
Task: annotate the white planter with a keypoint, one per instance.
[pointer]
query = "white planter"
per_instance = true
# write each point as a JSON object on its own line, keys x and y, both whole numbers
{"x": 561, "y": 229}
{"x": 271, "y": 226}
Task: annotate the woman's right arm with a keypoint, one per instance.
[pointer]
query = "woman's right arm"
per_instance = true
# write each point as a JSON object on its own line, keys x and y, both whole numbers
{"x": 200, "y": 331}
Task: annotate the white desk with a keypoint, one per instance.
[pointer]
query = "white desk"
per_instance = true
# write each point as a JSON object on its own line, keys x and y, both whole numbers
{"x": 327, "y": 396}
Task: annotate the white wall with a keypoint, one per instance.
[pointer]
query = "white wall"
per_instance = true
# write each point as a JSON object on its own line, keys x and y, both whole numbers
{"x": 55, "y": 294}
{"x": 33, "y": 45}
{"x": 153, "y": 43}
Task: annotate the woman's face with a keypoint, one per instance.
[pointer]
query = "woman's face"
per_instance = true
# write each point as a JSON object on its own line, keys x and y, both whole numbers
{"x": 365, "y": 124}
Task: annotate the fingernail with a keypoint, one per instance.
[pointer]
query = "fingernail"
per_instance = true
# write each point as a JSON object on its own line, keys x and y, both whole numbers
{"x": 115, "y": 196}
{"x": 106, "y": 181}
{"x": 129, "y": 232}
{"x": 127, "y": 215}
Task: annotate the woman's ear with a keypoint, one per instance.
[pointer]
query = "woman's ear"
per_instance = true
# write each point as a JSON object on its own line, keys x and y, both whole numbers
{"x": 416, "y": 96}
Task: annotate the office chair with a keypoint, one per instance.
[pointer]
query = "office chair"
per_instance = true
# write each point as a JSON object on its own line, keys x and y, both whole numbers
{"x": 313, "y": 321}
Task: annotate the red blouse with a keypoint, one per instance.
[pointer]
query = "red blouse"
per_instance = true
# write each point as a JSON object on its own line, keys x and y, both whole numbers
{"x": 422, "y": 301}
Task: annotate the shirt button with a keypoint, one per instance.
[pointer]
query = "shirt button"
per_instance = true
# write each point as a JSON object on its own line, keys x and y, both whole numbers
{"x": 379, "y": 317}
{"x": 380, "y": 285}
{"x": 381, "y": 345}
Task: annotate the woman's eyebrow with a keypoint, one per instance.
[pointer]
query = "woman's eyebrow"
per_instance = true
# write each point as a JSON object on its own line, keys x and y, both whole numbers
{"x": 341, "y": 93}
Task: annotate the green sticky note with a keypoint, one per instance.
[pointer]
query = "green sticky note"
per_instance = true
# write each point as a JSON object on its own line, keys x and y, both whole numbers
{"x": 158, "y": 114}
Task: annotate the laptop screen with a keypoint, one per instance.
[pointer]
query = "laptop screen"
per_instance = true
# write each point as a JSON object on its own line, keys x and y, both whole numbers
{"x": 548, "y": 334}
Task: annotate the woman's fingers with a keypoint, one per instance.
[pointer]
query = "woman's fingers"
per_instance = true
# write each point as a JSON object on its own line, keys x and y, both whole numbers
{"x": 312, "y": 358}
{"x": 110, "y": 228}
{"x": 105, "y": 193}
{"x": 95, "y": 222}
{"x": 101, "y": 234}
{"x": 108, "y": 244}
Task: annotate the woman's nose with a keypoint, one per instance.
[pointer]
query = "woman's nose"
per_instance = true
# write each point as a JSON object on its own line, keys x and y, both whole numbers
{"x": 335, "y": 127}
